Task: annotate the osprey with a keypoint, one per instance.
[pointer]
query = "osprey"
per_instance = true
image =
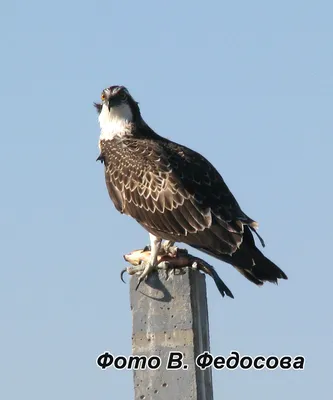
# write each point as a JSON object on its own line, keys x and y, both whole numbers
{"x": 174, "y": 192}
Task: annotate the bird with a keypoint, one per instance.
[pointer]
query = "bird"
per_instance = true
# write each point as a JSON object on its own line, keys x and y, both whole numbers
{"x": 174, "y": 192}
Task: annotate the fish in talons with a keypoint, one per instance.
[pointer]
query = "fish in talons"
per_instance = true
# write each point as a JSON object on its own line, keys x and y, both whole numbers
{"x": 170, "y": 258}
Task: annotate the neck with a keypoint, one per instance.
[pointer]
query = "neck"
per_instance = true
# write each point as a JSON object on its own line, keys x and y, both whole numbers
{"x": 116, "y": 122}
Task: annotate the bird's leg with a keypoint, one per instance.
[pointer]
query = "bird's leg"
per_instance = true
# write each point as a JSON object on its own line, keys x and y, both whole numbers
{"x": 167, "y": 245}
{"x": 170, "y": 249}
{"x": 155, "y": 247}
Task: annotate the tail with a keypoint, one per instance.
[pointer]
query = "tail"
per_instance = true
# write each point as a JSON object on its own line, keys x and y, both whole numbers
{"x": 262, "y": 269}
{"x": 249, "y": 261}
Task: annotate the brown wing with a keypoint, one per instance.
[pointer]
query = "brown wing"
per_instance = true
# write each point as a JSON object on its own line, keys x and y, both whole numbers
{"x": 173, "y": 192}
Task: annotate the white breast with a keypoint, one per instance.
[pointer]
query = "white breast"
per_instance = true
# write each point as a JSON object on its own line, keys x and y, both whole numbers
{"x": 116, "y": 122}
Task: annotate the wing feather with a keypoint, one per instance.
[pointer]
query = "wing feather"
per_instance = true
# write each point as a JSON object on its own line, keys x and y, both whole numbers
{"x": 173, "y": 191}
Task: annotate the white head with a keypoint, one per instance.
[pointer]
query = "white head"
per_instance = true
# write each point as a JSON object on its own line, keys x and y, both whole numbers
{"x": 117, "y": 112}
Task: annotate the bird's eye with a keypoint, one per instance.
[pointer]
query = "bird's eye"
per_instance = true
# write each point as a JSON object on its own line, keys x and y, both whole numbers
{"x": 103, "y": 96}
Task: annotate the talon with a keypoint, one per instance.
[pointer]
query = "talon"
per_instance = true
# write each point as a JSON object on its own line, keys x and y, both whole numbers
{"x": 169, "y": 272}
{"x": 122, "y": 274}
{"x": 147, "y": 267}
{"x": 168, "y": 247}
{"x": 138, "y": 284}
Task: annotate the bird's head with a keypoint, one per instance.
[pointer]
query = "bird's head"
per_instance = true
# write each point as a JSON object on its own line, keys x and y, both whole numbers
{"x": 117, "y": 111}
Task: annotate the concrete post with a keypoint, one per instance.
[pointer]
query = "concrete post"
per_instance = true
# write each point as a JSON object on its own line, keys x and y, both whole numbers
{"x": 171, "y": 315}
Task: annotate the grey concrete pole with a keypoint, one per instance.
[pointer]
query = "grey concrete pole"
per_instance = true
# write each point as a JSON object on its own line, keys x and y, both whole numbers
{"x": 171, "y": 315}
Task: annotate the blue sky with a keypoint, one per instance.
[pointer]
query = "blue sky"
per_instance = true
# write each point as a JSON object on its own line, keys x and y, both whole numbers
{"x": 249, "y": 85}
